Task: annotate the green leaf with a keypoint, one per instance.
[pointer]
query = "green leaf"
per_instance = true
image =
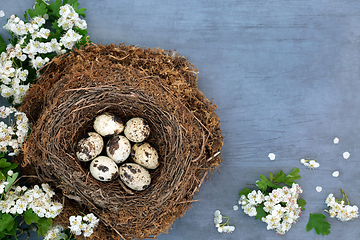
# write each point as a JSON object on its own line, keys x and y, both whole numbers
{"x": 301, "y": 203}
{"x": 12, "y": 231}
{"x": 317, "y": 221}
{"x": 31, "y": 13}
{"x": 40, "y": 10}
{"x": 30, "y": 217}
{"x": 263, "y": 183}
{"x": 12, "y": 166}
{"x": 45, "y": 221}
{"x": 26, "y": 16}
{"x": 42, "y": 229}
{"x": 290, "y": 179}
{"x": 54, "y": 8}
{"x": 245, "y": 192}
{"x": 81, "y": 31}
{"x": 11, "y": 179}
{"x": 279, "y": 177}
{"x": 73, "y": 3}
{"x": 6, "y": 222}
{"x": 43, "y": 226}
{"x": 2, "y": 47}
{"x": 4, "y": 163}
{"x": 271, "y": 177}
{"x": 260, "y": 212}
{"x": 81, "y": 11}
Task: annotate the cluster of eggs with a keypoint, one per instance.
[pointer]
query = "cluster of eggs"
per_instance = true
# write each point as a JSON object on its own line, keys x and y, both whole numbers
{"x": 118, "y": 149}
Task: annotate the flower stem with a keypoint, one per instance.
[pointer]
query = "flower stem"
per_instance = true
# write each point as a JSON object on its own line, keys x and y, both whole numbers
{"x": 344, "y": 196}
{"x": 226, "y": 223}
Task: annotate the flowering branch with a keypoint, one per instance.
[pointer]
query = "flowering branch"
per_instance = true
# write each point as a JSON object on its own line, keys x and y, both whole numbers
{"x": 278, "y": 206}
{"x": 32, "y": 45}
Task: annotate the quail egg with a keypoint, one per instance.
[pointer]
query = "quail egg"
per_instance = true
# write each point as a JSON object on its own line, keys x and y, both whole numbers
{"x": 137, "y": 129}
{"x": 89, "y": 147}
{"x": 134, "y": 176}
{"x": 107, "y": 124}
{"x": 118, "y": 148}
{"x": 145, "y": 155}
{"x": 104, "y": 169}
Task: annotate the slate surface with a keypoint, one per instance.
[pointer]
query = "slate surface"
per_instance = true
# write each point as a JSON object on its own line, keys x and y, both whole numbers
{"x": 285, "y": 76}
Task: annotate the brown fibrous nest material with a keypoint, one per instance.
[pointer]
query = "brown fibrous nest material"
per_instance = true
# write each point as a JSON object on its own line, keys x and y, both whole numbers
{"x": 159, "y": 86}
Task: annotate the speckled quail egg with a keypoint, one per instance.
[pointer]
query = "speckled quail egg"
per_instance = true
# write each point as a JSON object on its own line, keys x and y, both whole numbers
{"x": 145, "y": 155}
{"x": 108, "y": 124}
{"x": 135, "y": 176}
{"x": 137, "y": 129}
{"x": 89, "y": 147}
{"x": 118, "y": 148}
{"x": 104, "y": 169}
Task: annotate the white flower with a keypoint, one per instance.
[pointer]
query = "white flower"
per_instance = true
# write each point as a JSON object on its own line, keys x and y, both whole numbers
{"x": 217, "y": 217}
{"x": 339, "y": 210}
{"x": 336, "y": 140}
{"x": 335, "y": 174}
{"x": 38, "y": 62}
{"x": 75, "y": 220}
{"x": 312, "y": 164}
{"x": 2, "y": 186}
{"x": 80, "y": 24}
{"x": 65, "y": 10}
{"x": 88, "y": 231}
{"x": 39, "y": 21}
{"x": 346, "y": 155}
{"x": 353, "y": 212}
{"x": 20, "y": 206}
{"x": 318, "y": 188}
{"x": 92, "y": 219}
{"x": 228, "y": 229}
{"x": 281, "y": 208}
{"x": 75, "y": 229}
{"x": 278, "y": 211}
{"x": 252, "y": 197}
{"x": 51, "y": 234}
{"x": 272, "y": 156}
{"x": 250, "y": 210}
{"x": 10, "y": 173}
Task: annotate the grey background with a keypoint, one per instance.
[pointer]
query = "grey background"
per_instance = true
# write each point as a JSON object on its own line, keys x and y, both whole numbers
{"x": 285, "y": 78}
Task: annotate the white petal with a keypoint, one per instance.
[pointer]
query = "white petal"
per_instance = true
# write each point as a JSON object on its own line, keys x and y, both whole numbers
{"x": 235, "y": 207}
{"x": 336, "y": 140}
{"x": 271, "y": 156}
{"x": 217, "y": 213}
{"x": 335, "y": 174}
{"x": 2, "y": 14}
{"x": 318, "y": 188}
{"x": 346, "y": 155}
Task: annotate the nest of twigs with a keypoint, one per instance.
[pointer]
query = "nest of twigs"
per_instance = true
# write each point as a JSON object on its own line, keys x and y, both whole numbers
{"x": 128, "y": 81}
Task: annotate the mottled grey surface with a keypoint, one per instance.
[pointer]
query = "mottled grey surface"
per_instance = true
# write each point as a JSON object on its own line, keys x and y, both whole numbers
{"x": 285, "y": 76}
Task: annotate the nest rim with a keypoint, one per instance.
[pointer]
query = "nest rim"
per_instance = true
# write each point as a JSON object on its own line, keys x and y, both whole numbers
{"x": 70, "y": 101}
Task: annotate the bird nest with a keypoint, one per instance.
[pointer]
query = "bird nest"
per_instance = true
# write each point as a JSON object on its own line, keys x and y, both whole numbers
{"x": 159, "y": 86}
